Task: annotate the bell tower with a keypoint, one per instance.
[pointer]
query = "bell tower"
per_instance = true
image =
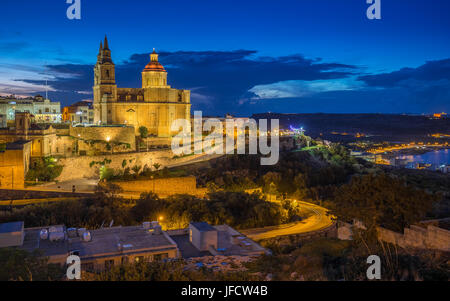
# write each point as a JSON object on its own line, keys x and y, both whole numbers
{"x": 105, "y": 88}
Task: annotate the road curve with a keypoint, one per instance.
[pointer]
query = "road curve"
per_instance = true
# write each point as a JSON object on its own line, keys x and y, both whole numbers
{"x": 318, "y": 221}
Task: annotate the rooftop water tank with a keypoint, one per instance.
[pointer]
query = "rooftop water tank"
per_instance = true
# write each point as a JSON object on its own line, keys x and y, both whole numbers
{"x": 72, "y": 232}
{"x": 146, "y": 225}
{"x": 80, "y": 231}
{"x": 57, "y": 236}
{"x": 43, "y": 234}
{"x": 157, "y": 230}
{"x": 87, "y": 236}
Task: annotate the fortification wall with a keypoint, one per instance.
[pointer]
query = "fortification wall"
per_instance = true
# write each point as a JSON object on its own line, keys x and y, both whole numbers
{"x": 430, "y": 237}
{"x": 297, "y": 239}
{"x": 80, "y": 167}
{"x": 164, "y": 187}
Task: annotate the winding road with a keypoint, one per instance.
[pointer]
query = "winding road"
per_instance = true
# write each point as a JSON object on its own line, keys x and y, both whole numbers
{"x": 316, "y": 222}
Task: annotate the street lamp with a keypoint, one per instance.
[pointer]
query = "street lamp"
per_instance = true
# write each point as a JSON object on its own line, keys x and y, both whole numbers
{"x": 107, "y": 140}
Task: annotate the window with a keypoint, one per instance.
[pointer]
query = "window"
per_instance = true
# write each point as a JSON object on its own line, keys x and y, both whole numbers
{"x": 158, "y": 257}
{"x": 124, "y": 260}
{"x": 139, "y": 259}
{"x": 109, "y": 264}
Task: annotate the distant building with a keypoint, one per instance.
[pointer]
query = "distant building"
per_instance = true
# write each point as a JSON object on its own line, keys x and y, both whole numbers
{"x": 3, "y": 121}
{"x": 44, "y": 110}
{"x": 81, "y": 112}
{"x": 445, "y": 168}
{"x": 42, "y": 136}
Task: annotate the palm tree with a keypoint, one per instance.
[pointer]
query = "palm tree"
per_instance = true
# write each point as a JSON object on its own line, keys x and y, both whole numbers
{"x": 157, "y": 166}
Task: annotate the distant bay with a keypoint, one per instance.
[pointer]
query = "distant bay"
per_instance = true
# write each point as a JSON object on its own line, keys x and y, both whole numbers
{"x": 435, "y": 157}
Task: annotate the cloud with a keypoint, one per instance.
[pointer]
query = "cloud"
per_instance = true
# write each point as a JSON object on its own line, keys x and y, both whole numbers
{"x": 437, "y": 71}
{"x": 220, "y": 79}
{"x": 295, "y": 88}
{"x": 241, "y": 82}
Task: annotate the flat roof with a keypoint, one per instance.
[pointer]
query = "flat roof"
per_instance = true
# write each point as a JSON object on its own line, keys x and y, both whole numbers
{"x": 11, "y": 227}
{"x": 104, "y": 243}
{"x": 16, "y": 144}
{"x": 203, "y": 226}
{"x": 187, "y": 249}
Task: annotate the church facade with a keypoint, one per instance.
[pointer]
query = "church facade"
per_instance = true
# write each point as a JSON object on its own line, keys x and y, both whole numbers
{"x": 155, "y": 105}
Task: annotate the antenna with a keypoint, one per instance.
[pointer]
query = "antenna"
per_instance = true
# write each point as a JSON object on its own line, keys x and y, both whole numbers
{"x": 46, "y": 83}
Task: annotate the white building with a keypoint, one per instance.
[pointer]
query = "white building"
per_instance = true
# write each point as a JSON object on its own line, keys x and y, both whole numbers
{"x": 44, "y": 110}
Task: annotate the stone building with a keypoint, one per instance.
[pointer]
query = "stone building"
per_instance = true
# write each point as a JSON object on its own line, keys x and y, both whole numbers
{"x": 154, "y": 106}
{"x": 14, "y": 164}
{"x": 42, "y": 136}
{"x": 81, "y": 112}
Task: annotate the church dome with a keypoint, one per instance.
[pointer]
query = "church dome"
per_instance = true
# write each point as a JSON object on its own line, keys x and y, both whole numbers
{"x": 154, "y": 65}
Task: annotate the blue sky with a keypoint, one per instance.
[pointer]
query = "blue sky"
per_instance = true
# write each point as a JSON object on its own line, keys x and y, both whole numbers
{"x": 239, "y": 57}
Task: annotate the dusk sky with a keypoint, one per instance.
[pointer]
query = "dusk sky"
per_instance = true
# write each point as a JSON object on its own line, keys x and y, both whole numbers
{"x": 239, "y": 57}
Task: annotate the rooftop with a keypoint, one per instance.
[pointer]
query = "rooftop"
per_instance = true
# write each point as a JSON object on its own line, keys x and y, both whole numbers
{"x": 17, "y": 145}
{"x": 105, "y": 242}
{"x": 203, "y": 226}
{"x": 11, "y": 227}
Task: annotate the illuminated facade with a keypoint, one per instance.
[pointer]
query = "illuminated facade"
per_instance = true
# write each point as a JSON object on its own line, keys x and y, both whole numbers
{"x": 155, "y": 106}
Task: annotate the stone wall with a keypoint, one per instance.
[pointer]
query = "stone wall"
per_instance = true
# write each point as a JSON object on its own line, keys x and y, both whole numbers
{"x": 164, "y": 187}
{"x": 79, "y": 167}
{"x": 19, "y": 194}
{"x": 14, "y": 166}
{"x": 427, "y": 236}
{"x": 298, "y": 239}
{"x": 430, "y": 237}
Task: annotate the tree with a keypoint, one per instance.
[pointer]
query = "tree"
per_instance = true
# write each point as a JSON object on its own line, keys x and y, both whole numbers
{"x": 136, "y": 169}
{"x": 381, "y": 200}
{"x": 19, "y": 265}
{"x": 143, "y": 131}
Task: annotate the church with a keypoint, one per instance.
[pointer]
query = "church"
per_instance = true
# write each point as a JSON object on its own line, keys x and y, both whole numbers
{"x": 155, "y": 106}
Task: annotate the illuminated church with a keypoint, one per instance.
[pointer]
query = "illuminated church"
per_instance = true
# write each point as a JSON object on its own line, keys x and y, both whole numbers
{"x": 153, "y": 106}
